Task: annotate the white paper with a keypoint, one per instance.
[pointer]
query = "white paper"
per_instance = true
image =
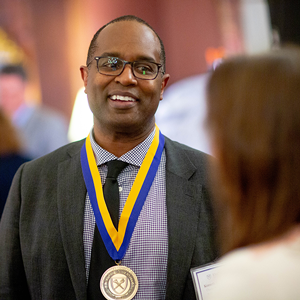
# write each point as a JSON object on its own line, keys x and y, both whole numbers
{"x": 204, "y": 278}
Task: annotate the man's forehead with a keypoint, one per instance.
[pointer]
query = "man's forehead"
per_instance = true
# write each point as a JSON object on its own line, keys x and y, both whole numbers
{"x": 127, "y": 33}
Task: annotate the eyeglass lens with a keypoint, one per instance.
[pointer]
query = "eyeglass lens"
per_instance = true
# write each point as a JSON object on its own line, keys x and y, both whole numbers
{"x": 115, "y": 65}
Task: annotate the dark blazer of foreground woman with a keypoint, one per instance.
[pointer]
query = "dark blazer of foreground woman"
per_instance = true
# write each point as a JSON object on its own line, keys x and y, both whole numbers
{"x": 41, "y": 231}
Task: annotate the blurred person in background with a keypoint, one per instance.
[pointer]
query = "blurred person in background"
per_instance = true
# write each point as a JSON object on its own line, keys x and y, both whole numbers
{"x": 42, "y": 130}
{"x": 10, "y": 156}
{"x": 254, "y": 120}
{"x": 181, "y": 114}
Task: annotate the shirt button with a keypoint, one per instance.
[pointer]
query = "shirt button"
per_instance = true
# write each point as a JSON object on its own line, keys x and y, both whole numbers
{"x": 120, "y": 189}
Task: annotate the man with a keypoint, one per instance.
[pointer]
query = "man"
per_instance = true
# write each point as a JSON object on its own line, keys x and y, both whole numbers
{"x": 50, "y": 246}
{"x": 42, "y": 130}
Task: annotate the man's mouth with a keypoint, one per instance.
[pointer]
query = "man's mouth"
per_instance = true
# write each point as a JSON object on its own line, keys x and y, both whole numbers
{"x": 122, "y": 98}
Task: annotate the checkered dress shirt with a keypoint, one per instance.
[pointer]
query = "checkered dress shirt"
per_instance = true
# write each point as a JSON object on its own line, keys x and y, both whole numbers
{"x": 147, "y": 252}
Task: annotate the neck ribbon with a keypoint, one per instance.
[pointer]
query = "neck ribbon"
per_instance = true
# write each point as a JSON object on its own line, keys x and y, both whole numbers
{"x": 117, "y": 241}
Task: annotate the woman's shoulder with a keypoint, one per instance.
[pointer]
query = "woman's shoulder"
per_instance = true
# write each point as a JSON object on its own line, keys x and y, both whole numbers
{"x": 265, "y": 271}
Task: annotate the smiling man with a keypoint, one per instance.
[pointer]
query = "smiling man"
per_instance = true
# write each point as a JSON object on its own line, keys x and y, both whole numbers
{"x": 75, "y": 229}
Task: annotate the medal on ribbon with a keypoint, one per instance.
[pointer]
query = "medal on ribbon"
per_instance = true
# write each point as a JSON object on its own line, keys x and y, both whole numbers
{"x": 117, "y": 241}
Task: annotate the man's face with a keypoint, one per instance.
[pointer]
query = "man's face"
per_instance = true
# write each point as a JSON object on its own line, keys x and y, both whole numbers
{"x": 130, "y": 41}
{"x": 12, "y": 92}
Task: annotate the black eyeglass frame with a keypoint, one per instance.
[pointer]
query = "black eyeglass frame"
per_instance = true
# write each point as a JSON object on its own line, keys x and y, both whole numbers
{"x": 125, "y": 62}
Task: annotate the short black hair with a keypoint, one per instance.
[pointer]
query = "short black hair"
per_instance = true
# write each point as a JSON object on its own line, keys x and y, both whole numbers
{"x": 14, "y": 70}
{"x": 93, "y": 46}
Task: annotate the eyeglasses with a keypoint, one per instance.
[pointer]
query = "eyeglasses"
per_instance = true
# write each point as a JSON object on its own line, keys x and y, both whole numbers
{"x": 114, "y": 66}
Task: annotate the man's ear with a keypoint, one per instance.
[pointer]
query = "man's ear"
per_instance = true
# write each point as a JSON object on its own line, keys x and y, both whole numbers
{"x": 164, "y": 82}
{"x": 84, "y": 75}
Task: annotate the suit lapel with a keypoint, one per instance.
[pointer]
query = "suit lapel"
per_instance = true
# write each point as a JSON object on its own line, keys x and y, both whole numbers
{"x": 183, "y": 211}
{"x": 71, "y": 200}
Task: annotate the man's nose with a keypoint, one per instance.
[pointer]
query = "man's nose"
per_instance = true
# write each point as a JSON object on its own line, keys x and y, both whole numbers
{"x": 126, "y": 77}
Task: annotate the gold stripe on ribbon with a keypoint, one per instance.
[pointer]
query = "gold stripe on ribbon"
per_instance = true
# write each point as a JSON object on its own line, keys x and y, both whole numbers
{"x": 117, "y": 237}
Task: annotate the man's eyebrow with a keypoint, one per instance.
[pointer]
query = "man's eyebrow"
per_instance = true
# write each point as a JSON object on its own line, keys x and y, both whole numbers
{"x": 147, "y": 58}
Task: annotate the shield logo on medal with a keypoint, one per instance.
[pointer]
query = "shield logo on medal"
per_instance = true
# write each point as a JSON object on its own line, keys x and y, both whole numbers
{"x": 119, "y": 284}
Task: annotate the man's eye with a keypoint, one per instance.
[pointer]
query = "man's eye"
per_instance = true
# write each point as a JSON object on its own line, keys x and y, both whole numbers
{"x": 144, "y": 69}
{"x": 109, "y": 65}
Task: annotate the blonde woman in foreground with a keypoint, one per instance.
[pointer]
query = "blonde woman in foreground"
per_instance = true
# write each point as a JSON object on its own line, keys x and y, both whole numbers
{"x": 254, "y": 120}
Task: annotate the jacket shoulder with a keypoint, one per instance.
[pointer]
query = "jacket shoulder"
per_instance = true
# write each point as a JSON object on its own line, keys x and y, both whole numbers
{"x": 176, "y": 149}
{"x": 61, "y": 154}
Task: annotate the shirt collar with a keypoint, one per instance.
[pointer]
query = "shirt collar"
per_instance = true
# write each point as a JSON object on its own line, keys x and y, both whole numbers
{"x": 134, "y": 157}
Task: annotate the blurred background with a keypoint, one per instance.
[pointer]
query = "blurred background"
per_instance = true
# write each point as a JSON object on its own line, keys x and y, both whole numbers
{"x": 51, "y": 37}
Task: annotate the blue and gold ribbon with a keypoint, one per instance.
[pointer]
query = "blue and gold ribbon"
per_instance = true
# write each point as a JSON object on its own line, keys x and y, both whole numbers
{"x": 116, "y": 242}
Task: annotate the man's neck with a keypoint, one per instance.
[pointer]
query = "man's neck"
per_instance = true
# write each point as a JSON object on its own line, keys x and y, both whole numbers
{"x": 120, "y": 143}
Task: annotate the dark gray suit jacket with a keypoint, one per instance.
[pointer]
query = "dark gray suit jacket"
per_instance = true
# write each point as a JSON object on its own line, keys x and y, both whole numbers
{"x": 41, "y": 232}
